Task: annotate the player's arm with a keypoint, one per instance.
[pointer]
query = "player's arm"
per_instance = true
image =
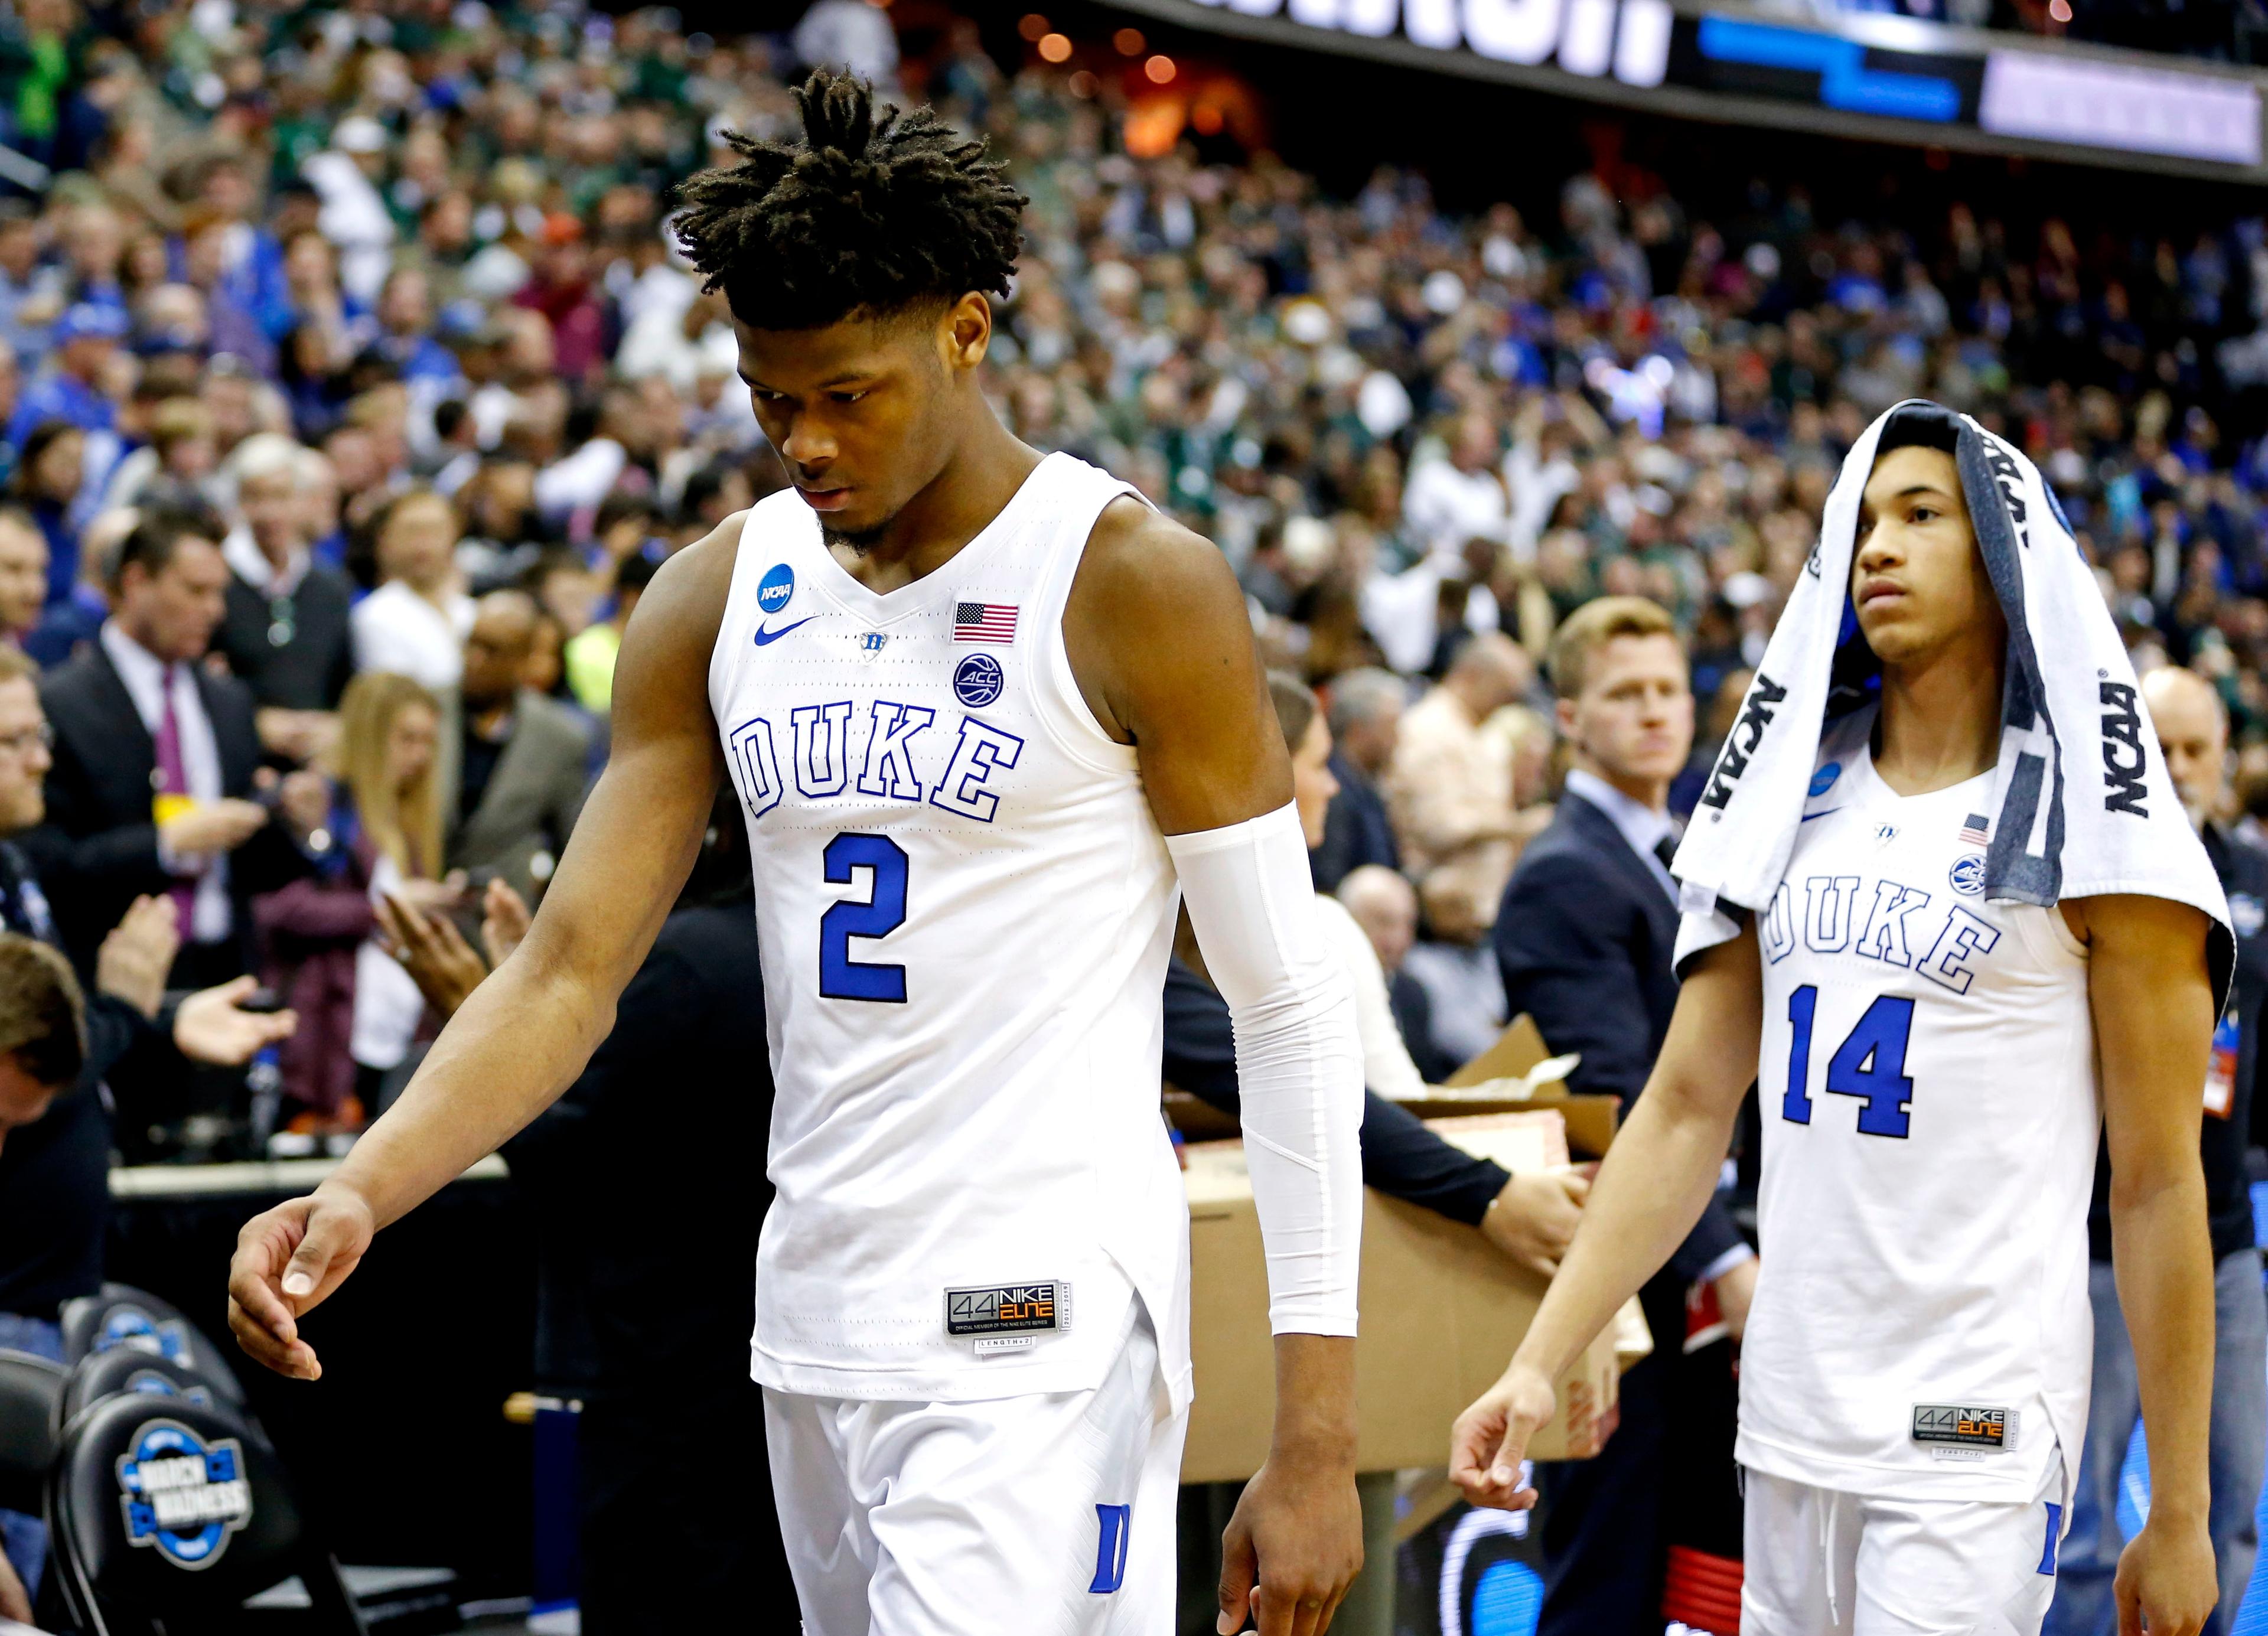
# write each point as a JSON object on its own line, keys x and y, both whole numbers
{"x": 2152, "y": 1000}
{"x": 1658, "y": 1174}
{"x": 525, "y": 1033}
{"x": 1162, "y": 647}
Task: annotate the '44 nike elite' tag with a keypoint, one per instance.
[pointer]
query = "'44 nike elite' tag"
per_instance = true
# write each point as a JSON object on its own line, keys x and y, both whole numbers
{"x": 1957, "y": 1431}
{"x": 999, "y": 1317}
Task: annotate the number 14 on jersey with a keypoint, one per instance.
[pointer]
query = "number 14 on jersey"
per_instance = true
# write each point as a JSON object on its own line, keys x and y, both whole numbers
{"x": 1869, "y": 1065}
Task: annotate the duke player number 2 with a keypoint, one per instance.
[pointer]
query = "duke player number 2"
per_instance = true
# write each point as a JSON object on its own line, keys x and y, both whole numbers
{"x": 884, "y": 912}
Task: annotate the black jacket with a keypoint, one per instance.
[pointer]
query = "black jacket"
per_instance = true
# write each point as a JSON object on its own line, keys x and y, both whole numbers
{"x": 54, "y": 1172}
{"x": 2243, "y": 872}
{"x": 1584, "y": 939}
{"x": 97, "y": 850}
{"x": 1356, "y": 830}
{"x": 1400, "y": 1156}
{"x": 310, "y": 669}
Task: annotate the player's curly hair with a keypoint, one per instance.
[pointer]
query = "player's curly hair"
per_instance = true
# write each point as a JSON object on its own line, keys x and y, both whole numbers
{"x": 870, "y": 212}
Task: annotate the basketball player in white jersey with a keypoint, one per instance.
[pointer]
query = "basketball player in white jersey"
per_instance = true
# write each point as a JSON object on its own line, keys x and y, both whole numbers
{"x": 1914, "y": 1372}
{"x": 990, "y": 716}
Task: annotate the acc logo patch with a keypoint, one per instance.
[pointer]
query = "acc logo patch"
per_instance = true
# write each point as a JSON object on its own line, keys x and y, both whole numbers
{"x": 1823, "y": 780}
{"x": 978, "y": 679}
{"x": 775, "y": 587}
{"x": 1968, "y": 874}
{"x": 182, "y": 1496}
{"x": 2246, "y": 914}
{"x": 130, "y": 1327}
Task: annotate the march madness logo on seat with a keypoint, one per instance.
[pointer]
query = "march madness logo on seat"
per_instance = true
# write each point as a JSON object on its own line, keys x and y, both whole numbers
{"x": 182, "y": 1495}
{"x": 130, "y": 1327}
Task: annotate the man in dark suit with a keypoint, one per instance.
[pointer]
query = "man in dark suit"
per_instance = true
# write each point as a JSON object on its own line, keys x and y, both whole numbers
{"x": 1366, "y": 717}
{"x": 1584, "y": 939}
{"x": 285, "y": 634}
{"x": 154, "y": 758}
{"x": 516, "y": 765}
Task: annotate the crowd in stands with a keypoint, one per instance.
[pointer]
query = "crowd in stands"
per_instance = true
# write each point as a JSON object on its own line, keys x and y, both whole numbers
{"x": 353, "y": 388}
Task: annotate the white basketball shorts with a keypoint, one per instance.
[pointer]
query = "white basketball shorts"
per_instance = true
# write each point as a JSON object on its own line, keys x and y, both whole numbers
{"x": 1824, "y": 1563}
{"x": 1047, "y": 1514}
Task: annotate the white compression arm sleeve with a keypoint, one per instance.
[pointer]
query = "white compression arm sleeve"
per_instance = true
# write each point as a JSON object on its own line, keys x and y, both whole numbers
{"x": 1299, "y": 1059}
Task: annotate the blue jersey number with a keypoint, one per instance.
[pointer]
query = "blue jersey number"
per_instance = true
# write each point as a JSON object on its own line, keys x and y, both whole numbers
{"x": 1870, "y": 1064}
{"x": 884, "y": 912}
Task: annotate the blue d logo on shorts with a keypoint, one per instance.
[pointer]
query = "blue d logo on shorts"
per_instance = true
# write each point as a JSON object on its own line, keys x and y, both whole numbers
{"x": 1111, "y": 1548}
{"x": 773, "y": 589}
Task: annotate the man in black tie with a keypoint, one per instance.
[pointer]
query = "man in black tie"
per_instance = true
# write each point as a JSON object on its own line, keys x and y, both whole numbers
{"x": 1584, "y": 939}
{"x": 154, "y": 759}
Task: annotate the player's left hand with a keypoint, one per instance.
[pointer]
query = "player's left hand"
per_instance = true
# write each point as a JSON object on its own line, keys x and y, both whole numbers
{"x": 1291, "y": 1549}
{"x": 2166, "y": 1583}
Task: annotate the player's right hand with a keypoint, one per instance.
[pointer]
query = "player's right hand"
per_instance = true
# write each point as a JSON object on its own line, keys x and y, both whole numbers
{"x": 288, "y": 1261}
{"x": 1490, "y": 1441}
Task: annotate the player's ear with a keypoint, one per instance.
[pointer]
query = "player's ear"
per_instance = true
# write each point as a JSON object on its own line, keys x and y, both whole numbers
{"x": 965, "y": 332}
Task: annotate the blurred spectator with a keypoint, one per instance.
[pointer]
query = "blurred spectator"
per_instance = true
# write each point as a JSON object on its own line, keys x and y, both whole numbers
{"x": 74, "y": 387}
{"x": 416, "y": 622}
{"x": 53, "y": 1196}
{"x": 286, "y": 634}
{"x": 517, "y": 764}
{"x": 50, "y": 470}
{"x": 1449, "y": 784}
{"x": 42, "y": 1029}
{"x": 1385, "y": 906}
{"x": 1584, "y": 939}
{"x": 590, "y": 655}
{"x": 23, "y": 575}
{"x": 135, "y": 714}
{"x": 1366, "y": 722}
{"x": 374, "y": 830}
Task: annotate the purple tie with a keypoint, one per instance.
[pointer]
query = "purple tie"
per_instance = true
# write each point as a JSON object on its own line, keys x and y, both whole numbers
{"x": 173, "y": 779}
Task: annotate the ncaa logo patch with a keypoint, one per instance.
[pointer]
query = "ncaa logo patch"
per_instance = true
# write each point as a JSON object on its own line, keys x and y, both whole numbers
{"x": 775, "y": 587}
{"x": 182, "y": 1496}
{"x": 1968, "y": 875}
{"x": 128, "y": 1326}
{"x": 2246, "y": 913}
{"x": 978, "y": 679}
{"x": 1823, "y": 780}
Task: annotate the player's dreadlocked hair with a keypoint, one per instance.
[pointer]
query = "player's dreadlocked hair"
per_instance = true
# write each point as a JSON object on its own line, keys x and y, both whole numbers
{"x": 866, "y": 213}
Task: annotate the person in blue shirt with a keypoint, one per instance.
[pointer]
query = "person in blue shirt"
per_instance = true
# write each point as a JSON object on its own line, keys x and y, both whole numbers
{"x": 84, "y": 340}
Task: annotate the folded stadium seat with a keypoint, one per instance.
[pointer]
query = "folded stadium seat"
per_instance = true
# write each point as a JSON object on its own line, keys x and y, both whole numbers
{"x": 127, "y": 1369}
{"x": 1702, "y": 1592}
{"x": 31, "y": 1387}
{"x": 121, "y": 1315}
{"x": 393, "y": 1600}
{"x": 165, "y": 1516}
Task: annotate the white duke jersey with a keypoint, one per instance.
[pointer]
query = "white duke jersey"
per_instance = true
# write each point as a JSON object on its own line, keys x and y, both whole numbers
{"x": 1927, "y": 1084}
{"x": 966, "y": 909}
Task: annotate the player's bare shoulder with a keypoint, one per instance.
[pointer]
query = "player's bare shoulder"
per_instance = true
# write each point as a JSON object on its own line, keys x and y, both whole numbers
{"x": 664, "y": 666}
{"x": 1152, "y": 601}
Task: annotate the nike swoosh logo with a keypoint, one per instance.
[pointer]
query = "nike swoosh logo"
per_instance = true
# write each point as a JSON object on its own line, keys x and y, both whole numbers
{"x": 764, "y": 637}
{"x": 1830, "y": 812}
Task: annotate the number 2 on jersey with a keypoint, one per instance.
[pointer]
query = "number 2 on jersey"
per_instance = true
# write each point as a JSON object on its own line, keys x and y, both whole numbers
{"x": 884, "y": 912}
{"x": 1870, "y": 1064}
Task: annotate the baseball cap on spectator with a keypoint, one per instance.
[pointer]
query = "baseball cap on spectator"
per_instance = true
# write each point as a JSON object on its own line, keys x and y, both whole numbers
{"x": 359, "y": 133}
{"x": 83, "y": 321}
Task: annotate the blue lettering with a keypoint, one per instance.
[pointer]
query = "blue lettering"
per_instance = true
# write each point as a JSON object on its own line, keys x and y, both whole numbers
{"x": 889, "y": 768}
{"x": 822, "y": 744}
{"x": 1964, "y": 937}
{"x": 755, "y": 765}
{"x": 1779, "y": 925}
{"x": 1883, "y": 937}
{"x": 1829, "y": 901}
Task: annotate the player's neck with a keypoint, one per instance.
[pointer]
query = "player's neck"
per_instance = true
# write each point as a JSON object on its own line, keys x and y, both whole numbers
{"x": 1941, "y": 720}
{"x": 973, "y": 487}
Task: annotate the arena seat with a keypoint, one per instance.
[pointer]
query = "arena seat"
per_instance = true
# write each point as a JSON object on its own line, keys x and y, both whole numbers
{"x": 126, "y": 1369}
{"x": 166, "y": 1515}
{"x": 31, "y": 1387}
{"x": 121, "y": 1315}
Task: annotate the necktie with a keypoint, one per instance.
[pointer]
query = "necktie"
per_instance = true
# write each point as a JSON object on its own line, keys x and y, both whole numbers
{"x": 173, "y": 779}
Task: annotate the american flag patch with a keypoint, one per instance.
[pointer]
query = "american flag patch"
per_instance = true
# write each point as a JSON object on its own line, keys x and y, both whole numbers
{"x": 1972, "y": 828}
{"x": 984, "y": 622}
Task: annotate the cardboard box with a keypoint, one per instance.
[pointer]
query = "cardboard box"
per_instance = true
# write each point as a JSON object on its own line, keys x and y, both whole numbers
{"x": 1443, "y": 1312}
